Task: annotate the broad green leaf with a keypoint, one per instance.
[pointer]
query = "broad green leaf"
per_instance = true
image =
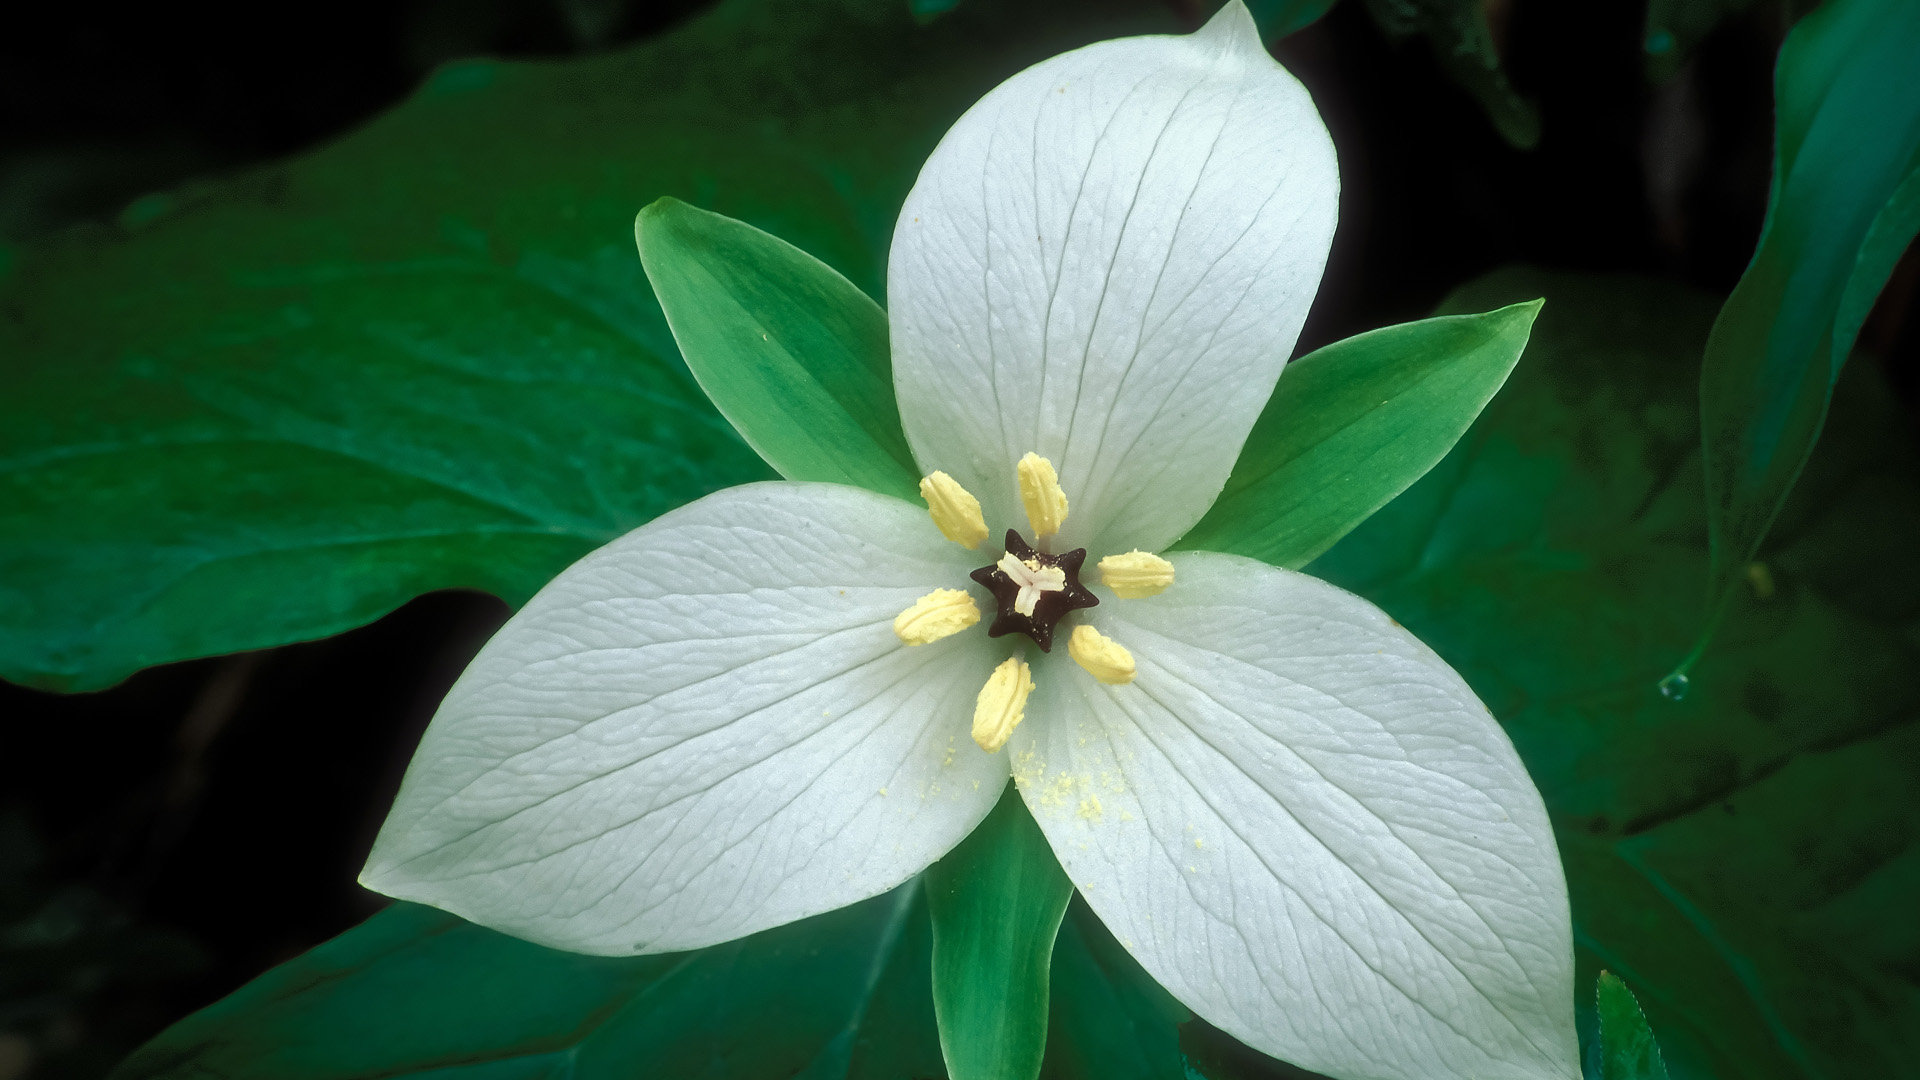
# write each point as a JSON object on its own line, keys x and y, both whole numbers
{"x": 1744, "y": 854}
{"x": 415, "y": 992}
{"x": 1627, "y": 1047}
{"x": 1108, "y": 1019}
{"x": 1278, "y": 18}
{"x": 426, "y": 356}
{"x": 1845, "y": 204}
{"x": 792, "y": 354}
{"x": 1351, "y": 425}
{"x": 1111, "y": 1021}
{"x": 1463, "y": 43}
{"x": 996, "y": 902}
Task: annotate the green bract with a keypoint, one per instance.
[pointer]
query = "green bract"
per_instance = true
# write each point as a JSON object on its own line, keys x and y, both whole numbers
{"x": 1627, "y": 1048}
{"x": 996, "y": 901}
{"x": 791, "y": 352}
{"x": 1352, "y": 425}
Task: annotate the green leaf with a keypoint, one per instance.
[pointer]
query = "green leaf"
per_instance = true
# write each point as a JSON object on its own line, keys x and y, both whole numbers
{"x": 1745, "y": 853}
{"x": 426, "y": 356}
{"x": 1278, "y": 18}
{"x": 793, "y": 355}
{"x": 1845, "y": 204}
{"x": 996, "y": 902}
{"x": 1351, "y": 425}
{"x": 1463, "y": 43}
{"x": 1108, "y": 1019}
{"x": 415, "y": 992}
{"x": 1627, "y": 1047}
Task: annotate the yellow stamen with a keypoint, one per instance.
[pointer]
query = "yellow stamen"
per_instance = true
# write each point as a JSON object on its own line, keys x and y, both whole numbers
{"x": 955, "y": 511}
{"x": 936, "y": 615}
{"x": 1002, "y": 704}
{"x": 1136, "y": 574}
{"x": 1104, "y": 658}
{"x": 1040, "y": 492}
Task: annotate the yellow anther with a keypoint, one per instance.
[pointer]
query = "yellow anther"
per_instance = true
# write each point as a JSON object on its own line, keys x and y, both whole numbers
{"x": 1040, "y": 493}
{"x": 955, "y": 511}
{"x": 1136, "y": 574}
{"x": 936, "y": 615}
{"x": 1002, "y": 704}
{"x": 1104, "y": 658}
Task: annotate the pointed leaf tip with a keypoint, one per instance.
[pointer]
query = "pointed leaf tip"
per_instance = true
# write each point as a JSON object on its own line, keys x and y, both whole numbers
{"x": 1233, "y": 29}
{"x": 1628, "y": 1050}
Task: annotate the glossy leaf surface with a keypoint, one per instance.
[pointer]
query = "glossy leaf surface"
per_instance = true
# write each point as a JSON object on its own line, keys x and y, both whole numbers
{"x": 415, "y": 992}
{"x": 426, "y": 356}
{"x": 792, "y": 354}
{"x": 1351, "y": 425}
{"x": 1845, "y": 203}
{"x": 996, "y": 902}
{"x": 1278, "y": 18}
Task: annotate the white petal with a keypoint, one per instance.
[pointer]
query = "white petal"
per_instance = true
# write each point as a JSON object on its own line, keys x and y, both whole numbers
{"x": 1106, "y": 262}
{"x": 1309, "y": 830}
{"x": 703, "y": 729}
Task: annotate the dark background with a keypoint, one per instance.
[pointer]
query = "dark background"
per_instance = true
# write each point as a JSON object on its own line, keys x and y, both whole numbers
{"x": 164, "y": 841}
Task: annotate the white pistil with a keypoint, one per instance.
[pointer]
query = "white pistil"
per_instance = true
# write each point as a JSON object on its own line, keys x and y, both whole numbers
{"x": 1033, "y": 579}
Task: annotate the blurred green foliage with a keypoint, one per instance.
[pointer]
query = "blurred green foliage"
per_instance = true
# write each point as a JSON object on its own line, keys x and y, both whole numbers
{"x": 1674, "y": 28}
{"x": 1466, "y": 46}
{"x": 1844, "y": 206}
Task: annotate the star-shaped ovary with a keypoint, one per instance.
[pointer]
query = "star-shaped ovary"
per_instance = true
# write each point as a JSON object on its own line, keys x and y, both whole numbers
{"x": 1034, "y": 590}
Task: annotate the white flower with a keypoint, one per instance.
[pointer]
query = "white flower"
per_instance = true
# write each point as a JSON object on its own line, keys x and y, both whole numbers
{"x": 778, "y": 700}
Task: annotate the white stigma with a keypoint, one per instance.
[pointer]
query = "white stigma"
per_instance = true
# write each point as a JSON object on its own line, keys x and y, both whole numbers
{"x": 1033, "y": 580}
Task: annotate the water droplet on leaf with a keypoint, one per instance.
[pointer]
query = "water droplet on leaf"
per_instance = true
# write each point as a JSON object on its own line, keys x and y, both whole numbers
{"x": 1674, "y": 686}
